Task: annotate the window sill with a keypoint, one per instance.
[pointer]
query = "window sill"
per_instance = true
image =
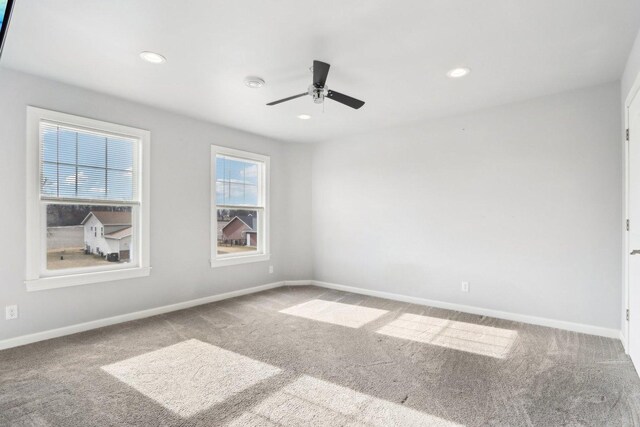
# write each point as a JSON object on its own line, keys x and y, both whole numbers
{"x": 236, "y": 260}
{"x": 45, "y": 283}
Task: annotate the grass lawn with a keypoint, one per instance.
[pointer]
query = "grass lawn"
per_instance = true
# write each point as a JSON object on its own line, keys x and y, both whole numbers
{"x": 73, "y": 258}
{"x": 235, "y": 249}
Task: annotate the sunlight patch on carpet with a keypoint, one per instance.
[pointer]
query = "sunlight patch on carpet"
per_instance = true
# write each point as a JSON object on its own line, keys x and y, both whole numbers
{"x": 190, "y": 376}
{"x": 469, "y": 337}
{"x": 310, "y": 401}
{"x": 352, "y": 316}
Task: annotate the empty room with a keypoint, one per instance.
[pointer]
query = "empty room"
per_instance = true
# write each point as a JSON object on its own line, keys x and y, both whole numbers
{"x": 338, "y": 213}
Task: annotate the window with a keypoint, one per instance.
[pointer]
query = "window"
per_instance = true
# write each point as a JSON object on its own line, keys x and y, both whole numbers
{"x": 240, "y": 207}
{"x": 85, "y": 176}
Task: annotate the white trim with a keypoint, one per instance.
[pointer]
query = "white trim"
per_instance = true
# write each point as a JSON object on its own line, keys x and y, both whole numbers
{"x": 37, "y": 277}
{"x": 235, "y": 260}
{"x": 94, "y": 324}
{"x": 263, "y": 252}
{"x": 72, "y": 329}
{"x": 534, "y": 320}
{"x": 635, "y": 88}
{"x": 624, "y": 328}
{"x": 298, "y": 282}
{"x": 54, "y": 282}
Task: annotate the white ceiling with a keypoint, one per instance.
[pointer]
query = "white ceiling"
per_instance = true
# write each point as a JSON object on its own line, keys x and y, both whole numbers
{"x": 391, "y": 54}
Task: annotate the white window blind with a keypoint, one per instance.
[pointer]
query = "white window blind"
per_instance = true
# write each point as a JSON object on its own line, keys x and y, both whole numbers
{"x": 81, "y": 164}
{"x": 238, "y": 182}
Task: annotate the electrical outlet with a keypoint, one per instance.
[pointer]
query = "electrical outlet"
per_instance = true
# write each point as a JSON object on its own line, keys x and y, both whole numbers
{"x": 465, "y": 287}
{"x": 11, "y": 312}
{"x": 271, "y": 269}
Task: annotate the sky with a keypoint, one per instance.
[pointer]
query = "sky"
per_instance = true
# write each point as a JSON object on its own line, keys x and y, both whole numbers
{"x": 236, "y": 181}
{"x": 85, "y": 165}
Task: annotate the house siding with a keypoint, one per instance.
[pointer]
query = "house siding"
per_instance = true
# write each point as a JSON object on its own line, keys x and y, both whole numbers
{"x": 253, "y": 238}
{"x": 94, "y": 240}
{"x": 122, "y": 247}
{"x": 235, "y": 230}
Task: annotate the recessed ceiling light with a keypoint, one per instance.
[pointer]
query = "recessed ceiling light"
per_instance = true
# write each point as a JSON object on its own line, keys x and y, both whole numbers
{"x": 458, "y": 72}
{"x": 254, "y": 82}
{"x": 304, "y": 117}
{"x": 154, "y": 58}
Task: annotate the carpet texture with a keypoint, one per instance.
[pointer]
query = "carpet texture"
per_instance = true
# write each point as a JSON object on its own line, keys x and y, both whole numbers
{"x": 310, "y": 356}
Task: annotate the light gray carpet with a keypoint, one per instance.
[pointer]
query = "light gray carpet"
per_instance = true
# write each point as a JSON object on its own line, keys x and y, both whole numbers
{"x": 292, "y": 357}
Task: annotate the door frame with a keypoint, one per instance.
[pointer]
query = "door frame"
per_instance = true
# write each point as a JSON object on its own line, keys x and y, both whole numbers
{"x": 624, "y": 330}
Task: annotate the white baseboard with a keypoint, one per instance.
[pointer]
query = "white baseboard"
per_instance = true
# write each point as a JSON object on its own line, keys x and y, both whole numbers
{"x": 534, "y": 320}
{"x": 73, "y": 329}
{"x": 94, "y": 324}
{"x": 298, "y": 282}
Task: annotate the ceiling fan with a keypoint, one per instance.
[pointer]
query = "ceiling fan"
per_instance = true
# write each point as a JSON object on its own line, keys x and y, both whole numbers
{"x": 318, "y": 90}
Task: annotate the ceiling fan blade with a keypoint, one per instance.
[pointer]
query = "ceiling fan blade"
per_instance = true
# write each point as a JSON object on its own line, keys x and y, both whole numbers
{"x": 344, "y": 99}
{"x": 287, "y": 99}
{"x": 320, "y": 73}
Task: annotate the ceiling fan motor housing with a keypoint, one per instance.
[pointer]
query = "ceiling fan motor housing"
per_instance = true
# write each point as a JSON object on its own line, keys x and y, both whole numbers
{"x": 319, "y": 90}
{"x": 318, "y": 93}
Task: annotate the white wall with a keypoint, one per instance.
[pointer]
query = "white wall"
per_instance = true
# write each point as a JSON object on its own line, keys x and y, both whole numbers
{"x": 523, "y": 201}
{"x": 180, "y": 198}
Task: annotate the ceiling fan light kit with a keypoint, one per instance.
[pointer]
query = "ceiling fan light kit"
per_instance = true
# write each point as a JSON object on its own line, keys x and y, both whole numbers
{"x": 318, "y": 90}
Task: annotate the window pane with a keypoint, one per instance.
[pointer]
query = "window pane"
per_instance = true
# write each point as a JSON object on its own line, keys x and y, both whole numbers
{"x": 251, "y": 194}
{"x": 229, "y": 193}
{"x": 49, "y": 145}
{"x": 67, "y": 181}
{"x": 49, "y": 179}
{"x": 237, "y": 231}
{"x": 120, "y": 154}
{"x": 119, "y": 184}
{"x": 236, "y": 194}
{"x": 88, "y": 236}
{"x": 237, "y": 181}
{"x": 66, "y": 146}
{"x": 219, "y": 192}
{"x": 91, "y": 183}
{"x": 231, "y": 170}
{"x": 92, "y": 150}
{"x": 88, "y": 165}
{"x": 250, "y": 174}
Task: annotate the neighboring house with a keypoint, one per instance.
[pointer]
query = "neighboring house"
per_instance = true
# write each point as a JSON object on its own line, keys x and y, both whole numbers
{"x": 107, "y": 233}
{"x": 221, "y": 224}
{"x": 241, "y": 230}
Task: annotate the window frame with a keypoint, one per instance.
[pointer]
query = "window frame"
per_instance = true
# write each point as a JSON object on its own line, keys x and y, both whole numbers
{"x": 263, "y": 253}
{"x": 37, "y": 276}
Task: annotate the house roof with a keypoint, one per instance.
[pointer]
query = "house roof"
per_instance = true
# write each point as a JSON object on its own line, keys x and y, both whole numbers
{"x": 248, "y": 220}
{"x": 120, "y": 234}
{"x": 110, "y": 217}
